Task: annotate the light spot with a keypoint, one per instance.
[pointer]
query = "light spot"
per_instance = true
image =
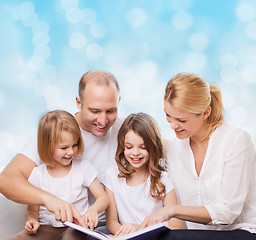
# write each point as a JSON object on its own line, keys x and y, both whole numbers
{"x": 245, "y": 12}
{"x": 198, "y": 41}
{"x": 228, "y": 99}
{"x": 98, "y": 30}
{"x": 136, "y": 17}
{"x": 43, "y": 52}
{"x": 89, "y": 16}
{"x": 40, "y": 26}
{"x": 73, "y": 15}
{"x": 228, "y": 60}
{"x": 229, "y": 74}
{"x": 48, "y": 73}
{"x": 24, "y": 10}
{"x": 40, "y": 39}
{"x": 77, "y": 40}
{"x": 251, "y": 30}
{"x": 67, "y": 4}
{"x": 182, "y": 20}
{"x": 94, "y": 51}
{"x": 238, "y": 115}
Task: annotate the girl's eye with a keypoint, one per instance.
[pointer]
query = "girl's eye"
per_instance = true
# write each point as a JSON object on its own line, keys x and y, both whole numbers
{"x": 182, "y": 121}
{"x": 128, "y": 147}
{"x": 63, "y": 148}
{"x": 75, "y": 145}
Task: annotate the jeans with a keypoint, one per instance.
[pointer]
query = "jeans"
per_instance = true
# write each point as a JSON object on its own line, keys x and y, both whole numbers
{"x": 186, "y": 234}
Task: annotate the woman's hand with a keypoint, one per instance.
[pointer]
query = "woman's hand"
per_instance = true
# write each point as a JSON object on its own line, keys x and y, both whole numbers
{"x": 127, "y": 228}
{"x": 91, "y": 218}
{"x": 31, "y": 226}
{"x": 161, "y": 215}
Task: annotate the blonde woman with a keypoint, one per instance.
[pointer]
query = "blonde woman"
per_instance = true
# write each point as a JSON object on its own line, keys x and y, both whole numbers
{"x": 211, "y": 164}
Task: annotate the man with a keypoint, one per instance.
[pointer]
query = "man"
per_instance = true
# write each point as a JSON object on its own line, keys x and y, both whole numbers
{"x": 98, "y": 104}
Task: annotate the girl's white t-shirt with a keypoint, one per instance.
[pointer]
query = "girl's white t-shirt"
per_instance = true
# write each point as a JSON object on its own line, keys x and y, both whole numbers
{"x": 133, "y": 203}
{"x": 72, "y": 188}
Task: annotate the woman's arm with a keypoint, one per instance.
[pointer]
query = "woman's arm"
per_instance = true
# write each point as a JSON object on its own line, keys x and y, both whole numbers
{"x": 197, "y": 214}
{"x": 101, "y": 203}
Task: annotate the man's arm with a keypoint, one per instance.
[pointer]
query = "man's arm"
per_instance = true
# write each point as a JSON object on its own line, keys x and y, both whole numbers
{"x": 15, "y": 186}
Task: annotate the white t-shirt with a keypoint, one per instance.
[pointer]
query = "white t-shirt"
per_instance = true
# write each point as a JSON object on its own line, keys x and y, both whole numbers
{"x": 72, "y": 188}
{"x": 133, "y": 203}
{"x": 227, "y": 181}
{"x": 99, "y": 151}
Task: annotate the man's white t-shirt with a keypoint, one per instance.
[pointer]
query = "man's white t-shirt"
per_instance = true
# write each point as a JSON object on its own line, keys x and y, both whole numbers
{"x": 133, "y": 203}
{"x": 72, "y": 188}
{"x": 226, "y": 184}
{"x": 99, "y": 151}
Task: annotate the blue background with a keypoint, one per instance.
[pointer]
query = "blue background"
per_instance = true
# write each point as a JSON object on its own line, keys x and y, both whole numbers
{"x": 47, "y": 45}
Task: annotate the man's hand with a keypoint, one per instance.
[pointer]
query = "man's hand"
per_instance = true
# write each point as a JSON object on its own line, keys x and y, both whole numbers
{"x": 62, "y": 210}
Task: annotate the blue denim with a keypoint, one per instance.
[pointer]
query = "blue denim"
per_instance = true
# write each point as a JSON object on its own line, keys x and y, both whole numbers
{"x": 186, "y": 234}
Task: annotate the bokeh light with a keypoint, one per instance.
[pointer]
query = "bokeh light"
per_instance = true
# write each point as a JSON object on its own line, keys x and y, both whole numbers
{"x": 48, "y": 45}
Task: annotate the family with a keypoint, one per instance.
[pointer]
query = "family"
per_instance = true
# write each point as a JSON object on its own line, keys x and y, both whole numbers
{"x": 119, "y": 176}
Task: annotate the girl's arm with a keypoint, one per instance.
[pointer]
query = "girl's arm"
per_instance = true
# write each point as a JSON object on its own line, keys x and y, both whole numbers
{"x": 113, "y": 224}
{"x": 101, "y": 203}
{"x": 170, "y": 199}
{"x": 32, "y": 216}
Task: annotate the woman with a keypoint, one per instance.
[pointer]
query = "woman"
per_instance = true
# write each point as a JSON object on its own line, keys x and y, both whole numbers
{"x": 211, "y": 164}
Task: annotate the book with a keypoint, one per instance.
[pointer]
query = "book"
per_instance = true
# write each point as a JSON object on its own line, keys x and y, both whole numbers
{"x": 142, "y": 234}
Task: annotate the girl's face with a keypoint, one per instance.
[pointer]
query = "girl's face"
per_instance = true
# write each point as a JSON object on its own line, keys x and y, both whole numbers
{"x": 135, "y": 151}
{"x": 66, "y": 149}
{"x": 186, "y": 124}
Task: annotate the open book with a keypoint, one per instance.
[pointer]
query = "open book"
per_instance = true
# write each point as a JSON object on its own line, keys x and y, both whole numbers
{"x": 146, "y": 233}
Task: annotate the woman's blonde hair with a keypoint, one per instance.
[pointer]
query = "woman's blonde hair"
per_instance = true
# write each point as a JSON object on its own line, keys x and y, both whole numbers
{"x": 188, "y": 92}
{"x": 145, "y": 126}
{"x": 51, "y": 125}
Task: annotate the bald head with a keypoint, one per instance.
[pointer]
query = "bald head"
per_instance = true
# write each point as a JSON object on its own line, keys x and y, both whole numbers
{"x": 99, "y": 78}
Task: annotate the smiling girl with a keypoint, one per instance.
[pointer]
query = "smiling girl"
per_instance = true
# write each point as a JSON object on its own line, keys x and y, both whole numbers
{"x": 64, "y": 174}
{"x": 137, "y": 186}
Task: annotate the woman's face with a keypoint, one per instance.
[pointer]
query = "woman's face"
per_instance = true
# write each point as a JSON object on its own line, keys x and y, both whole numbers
{"x": 185, "y": 124}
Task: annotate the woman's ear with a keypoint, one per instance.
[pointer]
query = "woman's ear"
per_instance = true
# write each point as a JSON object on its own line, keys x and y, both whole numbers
{"x": 207, "y": 112}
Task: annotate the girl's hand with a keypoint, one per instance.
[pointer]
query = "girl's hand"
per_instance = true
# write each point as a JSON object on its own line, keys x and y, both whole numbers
{"x": 127, "y": 228}
{"x": 161, "y": 215}
{"x": 91, "y": 218}
{"x": 31, "y": 226}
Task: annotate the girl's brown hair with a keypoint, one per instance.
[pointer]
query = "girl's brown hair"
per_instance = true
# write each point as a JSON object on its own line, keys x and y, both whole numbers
{"x": 49, "y": 132}
{"x": 146, "y": 127}
{"x": 188, "y": 92}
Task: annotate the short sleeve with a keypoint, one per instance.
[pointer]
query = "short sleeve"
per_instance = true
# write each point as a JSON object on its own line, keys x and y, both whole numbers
{"x": 89, "y": 172}
{"x": 35, "y": 177}
{"x": 167, "y": 182}
{"x": 30, "y": 150}
{"x": 108, "y": 178}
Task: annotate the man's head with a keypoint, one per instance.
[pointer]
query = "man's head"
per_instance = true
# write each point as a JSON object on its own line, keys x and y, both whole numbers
{"x": 98, "y": 102}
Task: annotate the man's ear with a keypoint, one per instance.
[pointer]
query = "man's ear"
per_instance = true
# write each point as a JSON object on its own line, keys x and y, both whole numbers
{"x": 207, "y": 112}
{"x": 78, "y": 103}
